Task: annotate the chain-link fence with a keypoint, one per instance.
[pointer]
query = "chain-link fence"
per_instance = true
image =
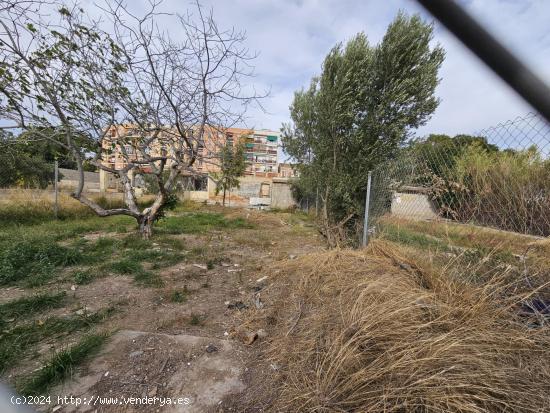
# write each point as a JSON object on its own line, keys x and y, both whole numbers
{"x": 499, "y": 177}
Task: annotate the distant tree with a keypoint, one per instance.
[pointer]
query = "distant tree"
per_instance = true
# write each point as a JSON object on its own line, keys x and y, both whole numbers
{"x": 359, "y": 111}
{"x": 232, "y": 166}
{"x": 21, "y": 167}
{"x": 440, "y": 152}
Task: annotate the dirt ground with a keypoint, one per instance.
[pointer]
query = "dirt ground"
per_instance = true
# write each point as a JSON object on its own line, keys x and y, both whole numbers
{"x": 199, "y": 350}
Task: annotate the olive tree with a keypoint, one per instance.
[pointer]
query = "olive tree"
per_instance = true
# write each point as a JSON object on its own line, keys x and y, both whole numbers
{"x": 357, "y": 112}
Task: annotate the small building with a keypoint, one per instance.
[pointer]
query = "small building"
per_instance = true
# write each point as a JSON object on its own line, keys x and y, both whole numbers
{"x": 413, "y": 203}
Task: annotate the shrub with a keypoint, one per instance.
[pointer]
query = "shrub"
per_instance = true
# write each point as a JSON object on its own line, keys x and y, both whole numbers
{"x": 509, "y": 190}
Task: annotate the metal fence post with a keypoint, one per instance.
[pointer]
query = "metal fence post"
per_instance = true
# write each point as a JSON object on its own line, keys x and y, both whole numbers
{"x": 366, "y": 222}
{"x": 56, "y": 177}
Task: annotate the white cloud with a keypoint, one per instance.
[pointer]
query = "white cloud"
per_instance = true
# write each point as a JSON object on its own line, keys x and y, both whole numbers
{"x": 293, "y": 37}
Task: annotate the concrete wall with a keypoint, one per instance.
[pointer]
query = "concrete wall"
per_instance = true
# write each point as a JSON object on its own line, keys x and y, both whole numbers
{"x": 281, "y": 195}
{"x": 253, "y": 190}
{"x": 199, "y": 196}
{"x": 414, "y": 206}
{"x": 70, "y": 180}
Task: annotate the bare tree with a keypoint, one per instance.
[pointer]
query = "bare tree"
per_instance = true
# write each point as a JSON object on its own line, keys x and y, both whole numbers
{"x": 160, "y": 104}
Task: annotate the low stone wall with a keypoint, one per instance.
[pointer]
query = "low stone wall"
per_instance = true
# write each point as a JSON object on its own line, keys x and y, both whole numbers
{"x": 198, "y": 196}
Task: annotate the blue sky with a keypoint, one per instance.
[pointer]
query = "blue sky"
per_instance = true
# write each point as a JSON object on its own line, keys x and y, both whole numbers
{"x": 292, "y": 38}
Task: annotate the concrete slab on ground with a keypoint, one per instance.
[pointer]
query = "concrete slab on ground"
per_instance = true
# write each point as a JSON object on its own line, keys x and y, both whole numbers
{"x": 140, "y": 364}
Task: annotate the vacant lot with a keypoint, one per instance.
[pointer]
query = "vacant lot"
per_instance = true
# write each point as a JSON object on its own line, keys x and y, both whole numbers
{"x": 67, "y": 287}
{"x": 241, "y": 310}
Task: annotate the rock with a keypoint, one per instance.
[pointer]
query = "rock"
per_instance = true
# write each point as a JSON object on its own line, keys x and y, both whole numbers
{"x": 73, "y": 287}
{"x": 80, "y": 312}
{"x": 274, "y": 367}
{"x": 106, "y": 374}
{"x": 225, "y": 333}
{"x": 152, "y": 392}
{"x": 56, "y": 408}
{"x": 260, "y": 280}
{"x": 225, "y": 264}
{"x": 202, "y": 267}
{"x": 291, "y": 256}
{"x": 211, "y": 348}
{"x": 227, "y": 302}
{"x": 136, "y": 353}
{"x": 261, "y": 333}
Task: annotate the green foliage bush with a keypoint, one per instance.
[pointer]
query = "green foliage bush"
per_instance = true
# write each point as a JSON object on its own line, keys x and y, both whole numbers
{"x": 470, "y": 180}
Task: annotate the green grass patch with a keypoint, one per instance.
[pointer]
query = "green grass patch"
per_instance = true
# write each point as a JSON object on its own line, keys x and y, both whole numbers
{"x": 62, "y": 365}
{"x": 16, "y": 342}
{"x": 411, "y": 238}
{"x": 148, "y": 279}
{"x": 199, "y": 222}
{"x": 34, "y": 260}
{"x": 143, "y": 277}
{"x": 82, "y": 277}
{"x": 27, "y": 306}
{"x": 124, "y": 266}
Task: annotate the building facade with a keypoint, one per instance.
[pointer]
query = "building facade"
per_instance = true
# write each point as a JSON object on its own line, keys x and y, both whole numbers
{"x": 123, "y": 144}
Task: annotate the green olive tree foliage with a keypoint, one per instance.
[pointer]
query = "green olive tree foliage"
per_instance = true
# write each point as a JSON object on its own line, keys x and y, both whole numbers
{"x": 232, "y": 166}
{"x": 358, "y": 112}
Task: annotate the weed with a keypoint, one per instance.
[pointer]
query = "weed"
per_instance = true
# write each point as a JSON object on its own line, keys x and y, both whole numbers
{"x": 62, "y": 364}
{"x": 148, "y": 279}
{"x": 27, "y": 306}
{"x": 124, "y": 266}
{"x": 35, "y": 259}
{"x": 83, "y": 277}
{"x": 15, "y": 342}
{"x": 179, "y": 296}
{"x": 411, "y": 238}
{"x": 196, "y": 320}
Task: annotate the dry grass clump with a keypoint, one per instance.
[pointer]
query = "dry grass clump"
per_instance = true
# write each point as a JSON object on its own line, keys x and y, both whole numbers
{"x": 372, "y": 332}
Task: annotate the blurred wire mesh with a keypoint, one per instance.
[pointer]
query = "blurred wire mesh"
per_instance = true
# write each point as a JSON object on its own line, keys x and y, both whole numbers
{"x": 499, "y": 177}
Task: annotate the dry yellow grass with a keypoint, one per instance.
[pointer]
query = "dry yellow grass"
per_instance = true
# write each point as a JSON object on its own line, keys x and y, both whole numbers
{"x": 374, "y": 332}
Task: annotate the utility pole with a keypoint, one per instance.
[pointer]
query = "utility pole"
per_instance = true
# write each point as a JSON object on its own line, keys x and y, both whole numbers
{"x": 366, "y": 223}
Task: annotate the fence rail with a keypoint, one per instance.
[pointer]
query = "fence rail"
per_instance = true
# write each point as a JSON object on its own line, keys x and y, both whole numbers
{"x": 499, "y": 177}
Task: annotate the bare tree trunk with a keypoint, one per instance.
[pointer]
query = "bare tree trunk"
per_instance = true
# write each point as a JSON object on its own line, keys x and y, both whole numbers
{"x": 223, "y": 202}
{"x": 146, "y": 226}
